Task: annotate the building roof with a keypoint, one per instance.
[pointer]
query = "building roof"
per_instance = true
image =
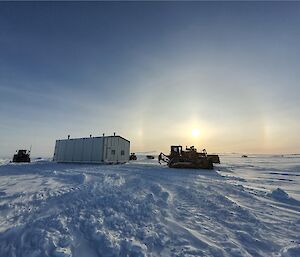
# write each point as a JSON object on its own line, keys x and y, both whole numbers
{"x": 92, "y": 137}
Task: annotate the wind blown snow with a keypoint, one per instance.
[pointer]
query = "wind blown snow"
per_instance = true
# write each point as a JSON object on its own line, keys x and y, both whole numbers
{"x": 245, "y": 207}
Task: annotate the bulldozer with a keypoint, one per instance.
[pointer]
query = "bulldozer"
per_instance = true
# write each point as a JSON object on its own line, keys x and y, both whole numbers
{"x": 22, "y": 156}
{"x": 189, "y": 158}
{"x": 132, "y": 157}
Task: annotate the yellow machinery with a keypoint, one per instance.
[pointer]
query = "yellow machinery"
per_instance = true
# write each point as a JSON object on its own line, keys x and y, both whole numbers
{"x": 189, "y": 158}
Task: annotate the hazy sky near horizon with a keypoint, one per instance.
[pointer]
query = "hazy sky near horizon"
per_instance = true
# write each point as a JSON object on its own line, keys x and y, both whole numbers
{"x": 152, "y": 72}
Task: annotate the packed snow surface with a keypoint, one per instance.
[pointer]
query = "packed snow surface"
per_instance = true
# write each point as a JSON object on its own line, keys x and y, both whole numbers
{"x": 244, "y": 207}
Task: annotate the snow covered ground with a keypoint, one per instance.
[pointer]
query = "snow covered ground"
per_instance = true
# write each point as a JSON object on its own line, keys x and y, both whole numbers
{"x": 245, "y": 207}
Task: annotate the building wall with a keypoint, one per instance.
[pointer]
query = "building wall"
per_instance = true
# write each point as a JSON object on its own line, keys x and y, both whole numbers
{"x": 112, "y": 149}
{"x": 116, "y": 149}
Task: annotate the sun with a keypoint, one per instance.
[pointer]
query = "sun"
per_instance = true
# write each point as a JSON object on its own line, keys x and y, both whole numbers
{"x": 195, "y": 132}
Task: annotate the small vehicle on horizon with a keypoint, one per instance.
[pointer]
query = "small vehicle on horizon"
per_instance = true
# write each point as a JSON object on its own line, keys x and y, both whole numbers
{"x": 132, "y": 157}
{"x": 22, "y": 156}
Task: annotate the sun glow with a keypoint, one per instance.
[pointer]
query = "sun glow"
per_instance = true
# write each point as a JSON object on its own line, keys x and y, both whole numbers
{"x": 195, "y": 132}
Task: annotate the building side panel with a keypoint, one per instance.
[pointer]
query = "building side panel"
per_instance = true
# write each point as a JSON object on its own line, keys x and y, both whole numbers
{"x": 97, "y": 150}
{"x": 72, "y": 145}
{"x": 87, "y": 150}
{"x": 68, "y": 156}
{"x": 107, "y": 149}
{"x": 56, "y": 148}
{"x": 77, "y": 151}
{"x": 64, "y": 156}
{"x": 118, "y": 148}
{"x": 101, "y": 154}
{"x": 94, "y": 150}
{"x": 121, "y": 148}
{"x": 114, "y": 149}
{"x": 61, "y": 150}
{"x": 62, "y": 147}
{"x": 127, "y": 153}
{"x": 125, "y": 148}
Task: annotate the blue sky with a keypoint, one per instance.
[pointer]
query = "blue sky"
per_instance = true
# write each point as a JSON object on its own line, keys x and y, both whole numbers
{"x": 152, "y": 72}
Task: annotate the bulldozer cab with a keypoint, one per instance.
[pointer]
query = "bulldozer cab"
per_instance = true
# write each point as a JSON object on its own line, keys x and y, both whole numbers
{"x": 21, "y": 152}
{"x": 176, "y": 149}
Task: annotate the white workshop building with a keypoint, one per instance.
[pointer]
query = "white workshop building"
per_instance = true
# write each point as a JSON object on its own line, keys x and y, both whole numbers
{"x": 105, "y": 149}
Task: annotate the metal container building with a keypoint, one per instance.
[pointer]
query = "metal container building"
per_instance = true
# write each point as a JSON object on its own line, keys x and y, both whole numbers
{"x": 105, "y": 149}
